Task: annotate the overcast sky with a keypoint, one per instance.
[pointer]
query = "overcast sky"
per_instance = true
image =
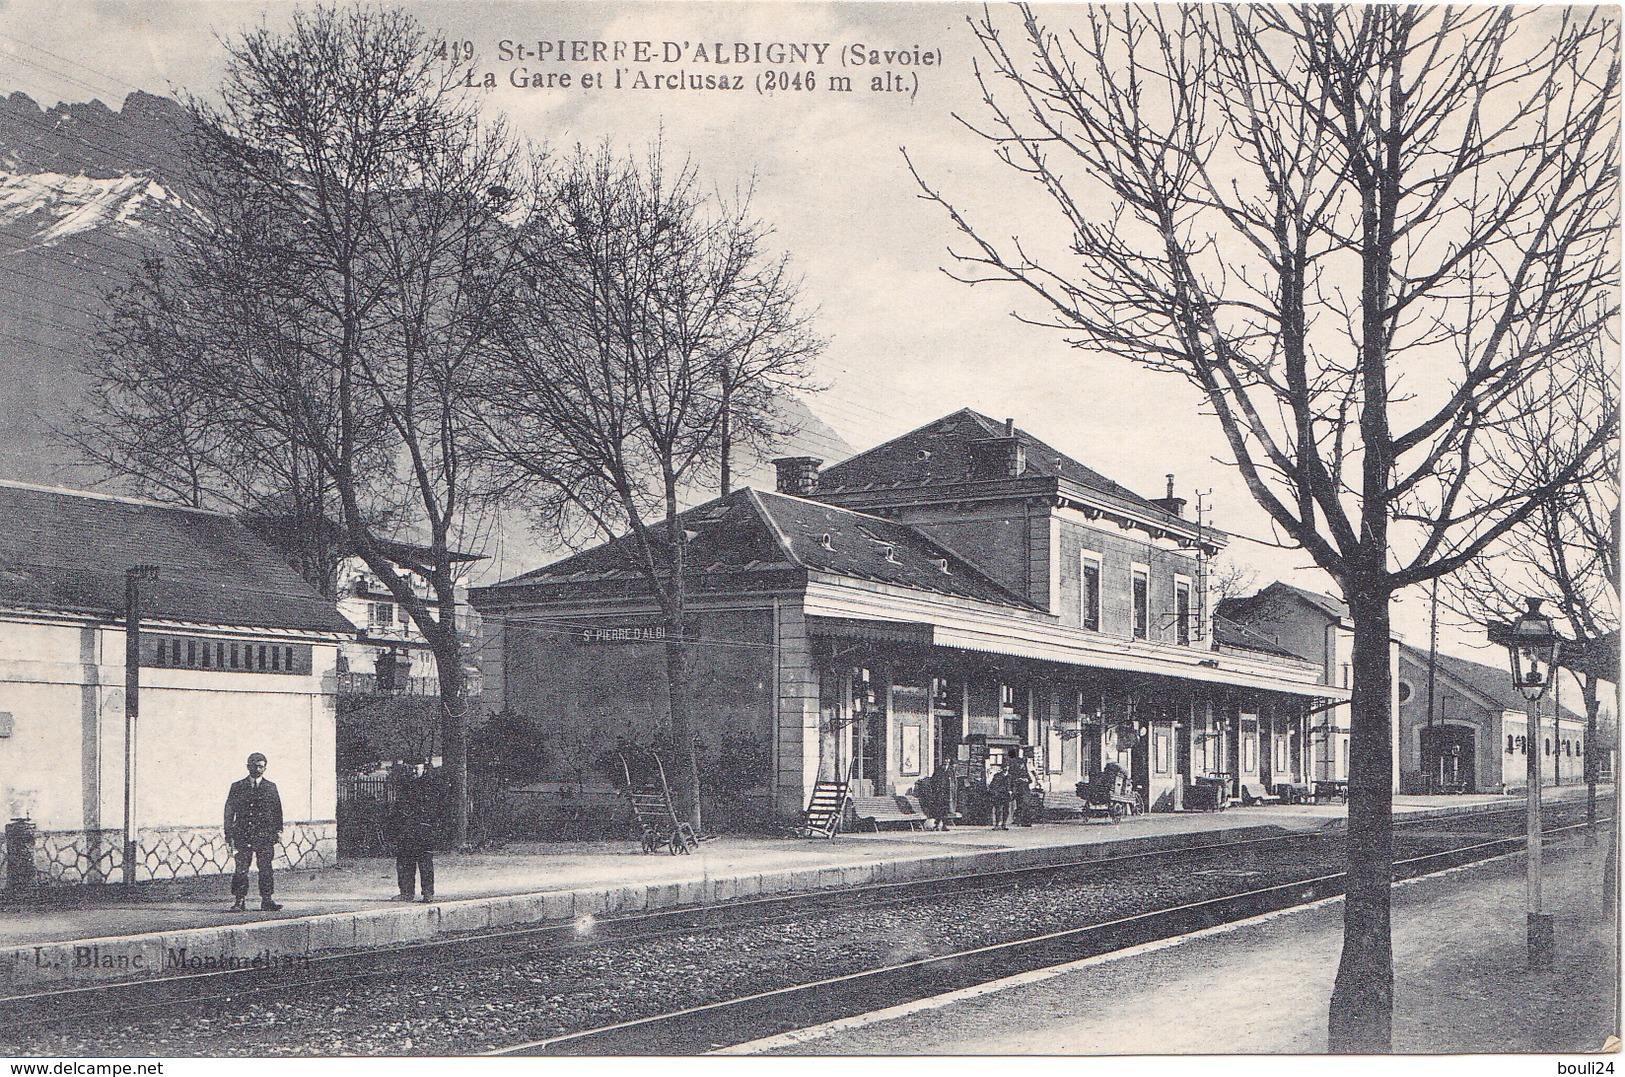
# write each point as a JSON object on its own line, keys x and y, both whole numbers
{"x": 907, "y": 344}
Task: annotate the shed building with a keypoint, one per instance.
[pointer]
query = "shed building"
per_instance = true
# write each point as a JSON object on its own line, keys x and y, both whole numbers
{"x": 237, "y": 655}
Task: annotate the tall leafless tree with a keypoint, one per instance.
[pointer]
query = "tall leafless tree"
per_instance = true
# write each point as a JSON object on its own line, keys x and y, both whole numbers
{"x": 325, "y": 308}
{"x": 1359, "y": 230}
{"x": 661, "y": 328}
{"x": 1567, "y": 550}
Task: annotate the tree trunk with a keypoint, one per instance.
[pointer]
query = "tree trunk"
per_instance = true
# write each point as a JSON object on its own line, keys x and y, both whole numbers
{"x": 1360, "y": 1018}
{"x": 686, "y": 793}
{"x": 448, "y": 656}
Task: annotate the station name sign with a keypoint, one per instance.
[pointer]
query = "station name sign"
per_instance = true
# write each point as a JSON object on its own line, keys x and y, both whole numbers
{"x": 622, "y": 634}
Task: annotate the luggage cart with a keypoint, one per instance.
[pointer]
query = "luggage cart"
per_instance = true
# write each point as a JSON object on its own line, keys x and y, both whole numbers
{"x": 658, "y": 825}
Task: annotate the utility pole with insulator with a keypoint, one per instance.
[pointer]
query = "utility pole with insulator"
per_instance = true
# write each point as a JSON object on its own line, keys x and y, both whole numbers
{"x": 133, "y": 578}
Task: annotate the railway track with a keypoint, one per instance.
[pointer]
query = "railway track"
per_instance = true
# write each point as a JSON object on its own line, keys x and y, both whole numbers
{"x": 697, "y": 1030}
{"x": 25, "y": 1018}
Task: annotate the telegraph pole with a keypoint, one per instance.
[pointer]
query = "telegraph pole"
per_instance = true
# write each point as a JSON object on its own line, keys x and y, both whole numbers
{"x": 133, "y": 579}
{"x": 1433, "y": 677}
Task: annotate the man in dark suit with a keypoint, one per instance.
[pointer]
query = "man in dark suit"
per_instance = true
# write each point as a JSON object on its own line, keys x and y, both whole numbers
{"x": 253, "y": 824}
{"x": 414, "y": 825}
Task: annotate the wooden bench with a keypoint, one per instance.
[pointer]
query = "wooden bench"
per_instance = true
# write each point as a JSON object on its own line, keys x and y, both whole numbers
{"x": 569, "y": 811}
{"x": 1065, "y": 804}
{"x": 1256, "y": 793}
{"x": 888, "y": 811}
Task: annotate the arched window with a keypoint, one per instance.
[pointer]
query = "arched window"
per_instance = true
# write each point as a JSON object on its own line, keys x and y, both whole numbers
{"x": 1406, "y": 691}
{"x": 1509, "y": 744}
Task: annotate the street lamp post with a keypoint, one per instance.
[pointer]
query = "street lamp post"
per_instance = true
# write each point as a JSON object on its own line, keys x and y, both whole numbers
{"x": 1532, "y": 649}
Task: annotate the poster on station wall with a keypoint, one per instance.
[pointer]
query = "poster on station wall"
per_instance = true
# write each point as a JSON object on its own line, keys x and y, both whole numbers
{"x": 1200, "y": 361}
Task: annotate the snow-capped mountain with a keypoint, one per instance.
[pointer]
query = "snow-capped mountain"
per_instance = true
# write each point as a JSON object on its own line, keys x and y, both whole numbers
{"x": 44, "y": 208}
{"x": 84, "y": 191}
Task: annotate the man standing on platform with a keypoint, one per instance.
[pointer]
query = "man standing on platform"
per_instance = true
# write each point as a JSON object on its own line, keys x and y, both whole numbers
{"x": 414, "y": 825}
{"x": 253, "y": 825}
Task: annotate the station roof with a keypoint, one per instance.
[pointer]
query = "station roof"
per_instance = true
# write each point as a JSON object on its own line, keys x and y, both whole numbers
{"x": 1228, "y": 633}
{"x": 1494, "y": 683}
{"x": 1242, "y": 609}
{"x": 752, "y": 529}
{"x": 67, "y": 551}
{"x": 943, "y": 452}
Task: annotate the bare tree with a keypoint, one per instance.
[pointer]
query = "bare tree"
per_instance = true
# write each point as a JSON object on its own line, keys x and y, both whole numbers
{"x": 660, "y": 330}
{"x": 326, "y": 308}
{"x": 153, "y": 423}
{"x": 1359, "y": 230}
{"x": 1566, "y": 550}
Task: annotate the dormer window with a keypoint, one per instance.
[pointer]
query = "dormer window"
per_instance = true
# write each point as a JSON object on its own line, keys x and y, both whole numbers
{"x": 942, "y": 566}
{"x": 826, "y": 542}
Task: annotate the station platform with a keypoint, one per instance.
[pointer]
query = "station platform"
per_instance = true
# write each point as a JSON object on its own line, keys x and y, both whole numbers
{"x": 89, "y": 934}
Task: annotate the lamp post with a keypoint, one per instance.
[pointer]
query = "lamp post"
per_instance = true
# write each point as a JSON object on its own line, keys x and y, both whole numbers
{"x": 1532, "y": 650}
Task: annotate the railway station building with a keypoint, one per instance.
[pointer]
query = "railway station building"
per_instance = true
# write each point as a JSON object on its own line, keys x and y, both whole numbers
{"x": 237, "y": 654}
{"x": 955, "y": 594}
{"x": 1475, "y": 738}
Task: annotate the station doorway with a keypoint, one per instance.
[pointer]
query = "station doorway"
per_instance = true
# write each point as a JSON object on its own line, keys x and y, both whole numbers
{"x": 1447, "y": 758}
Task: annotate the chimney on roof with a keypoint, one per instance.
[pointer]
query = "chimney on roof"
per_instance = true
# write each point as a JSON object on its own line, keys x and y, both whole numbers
{"x": 999, "y": 457}
{"x": 797, "y": 475}
{"x": 1173, "y": 506}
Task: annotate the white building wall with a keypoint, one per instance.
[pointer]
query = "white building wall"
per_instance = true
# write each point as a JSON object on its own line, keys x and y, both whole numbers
{"x": 63, "y": 765}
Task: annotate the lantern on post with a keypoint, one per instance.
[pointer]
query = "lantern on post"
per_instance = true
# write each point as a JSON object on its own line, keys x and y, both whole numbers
{"x": 1532, "y": 645}
{"x": 1532, "y": 652}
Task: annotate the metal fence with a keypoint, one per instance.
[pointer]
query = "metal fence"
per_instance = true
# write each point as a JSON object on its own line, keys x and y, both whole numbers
{"x": 362, "y": 805}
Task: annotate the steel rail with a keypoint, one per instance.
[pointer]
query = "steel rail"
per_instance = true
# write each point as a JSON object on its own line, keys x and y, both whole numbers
{"x": 733, "y": 1021}
{"x": 160, "y": 993}
{"x": 130, "y": 1000}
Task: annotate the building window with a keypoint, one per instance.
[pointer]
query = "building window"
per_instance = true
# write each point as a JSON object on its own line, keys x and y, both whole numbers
{"x": 381, "y": 615}
{"x": 1509, "y": 743}
{"x": 1142, "y": 600}
{"x": 1089, "y": 591}
{"x": 1182, "y": 610}
{"x": 1405, "y": 690}
{"x": 1546, "y": 748}
{"x": 1160, "y": 750}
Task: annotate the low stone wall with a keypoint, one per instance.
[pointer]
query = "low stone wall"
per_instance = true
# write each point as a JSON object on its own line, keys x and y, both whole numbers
{"x": 73, "y": 857}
